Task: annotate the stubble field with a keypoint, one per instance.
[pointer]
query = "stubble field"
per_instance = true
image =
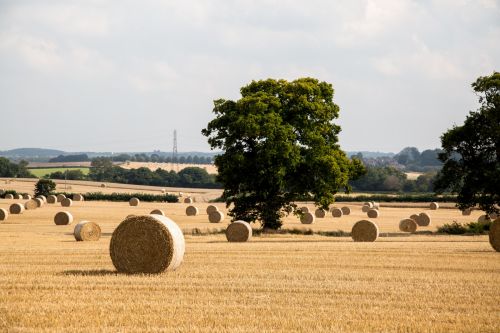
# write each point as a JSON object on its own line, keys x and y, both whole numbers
{"x": 275, "y": 283}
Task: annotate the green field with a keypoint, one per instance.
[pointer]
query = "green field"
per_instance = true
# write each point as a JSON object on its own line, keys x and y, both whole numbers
{"x": 40, "y": 172}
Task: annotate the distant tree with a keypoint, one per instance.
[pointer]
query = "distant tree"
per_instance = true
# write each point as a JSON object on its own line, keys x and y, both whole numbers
{"x": 10, "y": 169}
{"x": 44, "y": 187}
{"x": 279, "y": 144}
{"x": 196, "y": 159}
{"x": 471, "y": 154}
{"x": 182, "y": 160}
{"x": 194, "y": 176}
{"x": 430, "y": 157}
{"x": 409, "y": 155}
{"x": 101, "y": 169}
{"x": 380, "y": 179}
{"x": 70, "y": 158}
{"x": 69, "y": 174}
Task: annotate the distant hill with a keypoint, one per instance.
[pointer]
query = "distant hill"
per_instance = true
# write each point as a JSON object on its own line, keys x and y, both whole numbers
{"x": 31, "y": 152}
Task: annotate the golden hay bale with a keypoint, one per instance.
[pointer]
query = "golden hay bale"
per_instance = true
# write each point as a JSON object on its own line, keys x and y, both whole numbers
{"x": 39, "y": 202}
{"x": 163, "y": 190}
{"x": 307, "y": 218}
{"x": 211, "y": 209}
{"x": 345, "y": 210}
{"x": 493, "y": 216}
{"x": 304, "y": 209}
{"x": 434, "y": 205}
{"x": 63, "y": 218}
{"x": 103, "y": 185}
{"x": 191, "y": 211}
{"x": 51, "y": 199}
{"x": 467, "y": 212}
{"x": 180, "y": 194}
{"x": 26, "y": 197}
{"x": 78, "y": 197}
{"x": 60, "y": 197}
{"x": 9, "y": 196}
{"x": 408, "y": 225}
{"x": 147, "y": 244}
{"x": 365, "y": 208}
{"x": 157, "y": 212}
{"x": 483, "y": 218}
{"x": 337, "y": 212}
{"x": 369, "y": 204}
{"x": 42, "y": 197}
{"x": 188, "y": 200}
{"x": 4, "y": 215}
{"x": 134, "y": 202}
{"x": 364, "y": 231}
{"x": 376, "y": 205}
{"x": 16, "y": 208}
{"x": 414, "y": 217}
{"x": 30, "y": 205}
{"x": 423, "y": 220}
{"x": 66, "y": 202}
{"x": 87, "y": 231}
{"x": 215, "y": 217}
{"x": 494, "y": 235}
{"x": 239, "y": 231}
{"x": 18, "y": 197}
{"x": 373, "y": 213}
{"x": 320, "y": 213}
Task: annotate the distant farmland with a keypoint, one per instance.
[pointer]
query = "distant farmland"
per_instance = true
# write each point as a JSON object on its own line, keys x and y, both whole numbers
{"x": 40, "y": 172}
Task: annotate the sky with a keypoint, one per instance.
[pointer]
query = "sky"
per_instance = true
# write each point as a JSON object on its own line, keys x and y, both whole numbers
{"x": 122, "y": 75}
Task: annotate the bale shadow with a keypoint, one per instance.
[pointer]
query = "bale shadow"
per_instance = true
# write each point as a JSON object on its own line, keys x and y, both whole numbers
{"x": 91, "y": 272}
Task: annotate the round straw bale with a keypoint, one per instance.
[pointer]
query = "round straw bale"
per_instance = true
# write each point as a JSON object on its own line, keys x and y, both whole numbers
{"x": 467, "y": 212}
{"x": 16, "y": 208}
{"x": 408, "y": 225}
{"x": 434, "y": 206}
{"x": 365, "y": 208}
{"x": 369, "y": 204}
{"x": 373, "y": 213}
{"x": 345, "y": 210}
{"x": 320, "y": 213}
{"x": 211, "y": 209}
{"x": 163, "y": 190}
{"x": 215, "y": 217}
{"x": 415, "y": 217}
{"x": 60, "y": 197}
{"x": 87, "y": 231}
{"x": 103, "y": 185}
{"x": 188, "y": 200}
{"x": 494, "y": 235}
{"x": 493, "y": 216}
{"x": 424, "y": 220}
{"x": 51, "y": 199}
{"x": 66, "y": 202}
{"x": 304, "y": 209}
{"x": 26, "y": 197}
{"x": 191, "y": 211}
{"x": 337, "y": 212}
{"x": 364, "y": 231}
{"x": 307, "y": 218}
{"x": 157, "y": 212}
{"x": 42, "y": 197}
{"x": 180, "y": 194}
{"x": 147, "y": 244}
{"x": 4, "y": 215}
{"x": 9, "y": 196}
{"x": 30, "y": 205}
{"x": 483, "y": 218}
{"x": 133, "y": 202}
{"x": 63, "y": 218}
{"x": 39, "y": 202}
{"x": 18, "y": 197}
{"x": 78, "y": 197}
{"x": 239, "y": 231}
{"x": 376, "y": 205}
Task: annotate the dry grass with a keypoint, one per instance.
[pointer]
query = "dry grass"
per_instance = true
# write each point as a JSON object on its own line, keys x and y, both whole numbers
{"x": 167, "y": 166}
{"x": 274, "y": 283}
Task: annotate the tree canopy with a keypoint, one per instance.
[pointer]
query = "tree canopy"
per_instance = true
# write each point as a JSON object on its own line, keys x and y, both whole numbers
{"x": 472, "y": 152}
{"x": 279, "y": 144}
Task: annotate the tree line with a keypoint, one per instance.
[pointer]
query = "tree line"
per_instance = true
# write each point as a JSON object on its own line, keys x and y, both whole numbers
{"x": 142, "y": 157}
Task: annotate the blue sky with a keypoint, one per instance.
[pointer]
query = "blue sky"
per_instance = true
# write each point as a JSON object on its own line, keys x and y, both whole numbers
{"x": 122, "y": 75}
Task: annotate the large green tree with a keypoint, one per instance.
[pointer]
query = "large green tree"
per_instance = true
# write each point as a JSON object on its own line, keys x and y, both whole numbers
{"x": 472, "y": 152}
{"x": 279, "y": 144}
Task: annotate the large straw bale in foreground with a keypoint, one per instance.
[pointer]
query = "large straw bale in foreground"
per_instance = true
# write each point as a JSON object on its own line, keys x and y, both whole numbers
{"x": 215, "y": 217}
{"x": 423, "y": 220}
{"x": 211, "y": 209}
{"x": 320, "y": 213}
{"x": 133, "y": 202}
{"x": 147, "y": 244}
{"x": 16, "y": 208}
{"x": 78, "y": 197}
{"x": 30, "y": 205}
{"x": 345, "y": 210}
{"x": 239, "y": 231}
{"x": 494, "y": 234}
{"x": 66, "y": 202}
{"x": 4, "y": 215}
{"x": 63, "y": 218}
{"x": 307, "y": 218}
{"x": 51, "y": 199}
{"x": 408, "y": 225}
{"x": 364, "y": 231}
{"x": 191, "y": 211}
{"x": 337, "y": 212}
{"x": 87, "y": 231}
{"x": 434, "y": 206}
{"x": 60, "y": 197}
{"x": 373, "y": 213}
{"x": 157, "y": 212}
